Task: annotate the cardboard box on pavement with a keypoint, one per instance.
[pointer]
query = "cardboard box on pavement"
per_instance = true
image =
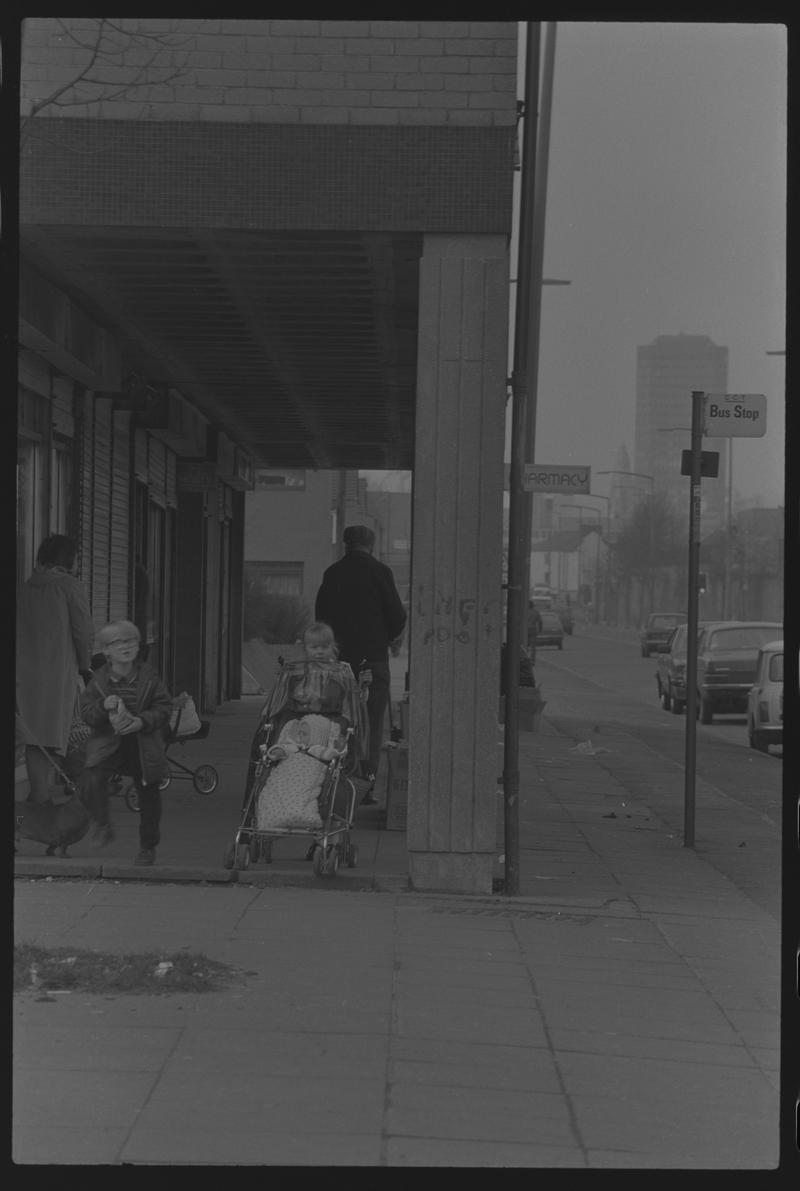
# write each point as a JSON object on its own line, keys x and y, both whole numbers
{"x": 530, "y": 708}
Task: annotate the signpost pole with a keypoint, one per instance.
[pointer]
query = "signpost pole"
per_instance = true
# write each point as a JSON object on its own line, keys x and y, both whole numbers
{"x": 518, "y": 552}
{"x": 698, "y": 422}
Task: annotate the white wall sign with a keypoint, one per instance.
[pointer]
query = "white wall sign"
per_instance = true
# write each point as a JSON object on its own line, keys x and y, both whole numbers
{"x": 735, "y": 414}
{"x": 550, "y": 477}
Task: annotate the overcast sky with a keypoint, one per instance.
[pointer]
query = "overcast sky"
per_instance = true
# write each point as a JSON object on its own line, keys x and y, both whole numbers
{"x": 666, "y": 212}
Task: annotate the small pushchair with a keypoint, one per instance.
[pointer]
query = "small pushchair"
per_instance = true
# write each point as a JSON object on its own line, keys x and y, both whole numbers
{"x": 204, "y": 778}
{"x": 302, "y": 776}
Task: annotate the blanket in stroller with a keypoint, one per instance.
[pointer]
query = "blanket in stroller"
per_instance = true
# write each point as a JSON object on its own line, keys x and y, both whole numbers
{"x": 289, "y": 797}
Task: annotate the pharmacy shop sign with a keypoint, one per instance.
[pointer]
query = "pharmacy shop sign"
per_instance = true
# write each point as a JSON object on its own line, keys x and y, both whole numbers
{"x": 550, "y": 477}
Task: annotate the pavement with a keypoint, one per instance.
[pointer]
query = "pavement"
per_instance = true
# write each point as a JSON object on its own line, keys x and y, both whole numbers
{"x": 621, "y": 1012}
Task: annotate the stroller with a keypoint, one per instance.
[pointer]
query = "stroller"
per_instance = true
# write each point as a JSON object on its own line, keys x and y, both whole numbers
{"x": 311, "y": 736}
{"x": 204, "y": 778}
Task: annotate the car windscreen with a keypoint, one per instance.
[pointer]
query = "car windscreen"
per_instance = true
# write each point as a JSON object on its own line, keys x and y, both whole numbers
{"x": 550, "y": 621}
{"x": 677, "y": 641}
{"x": 776, "y": 667}
{"x": 665, "y": 621}
{"x": 743, "y": 637}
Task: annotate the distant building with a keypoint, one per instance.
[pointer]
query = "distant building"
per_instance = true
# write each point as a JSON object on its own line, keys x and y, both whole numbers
{"x": 290, "y": 529}
{"x": 667, "y": 371}
{"x": 294, "y": 518}
{"x": 389, "y": 515}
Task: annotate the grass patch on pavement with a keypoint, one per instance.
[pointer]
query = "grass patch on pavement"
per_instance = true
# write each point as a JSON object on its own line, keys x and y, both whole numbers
{"x": 70, "y": 969}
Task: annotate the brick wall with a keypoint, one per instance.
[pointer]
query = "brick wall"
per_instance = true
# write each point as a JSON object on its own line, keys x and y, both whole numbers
{"x": 272, "y": 71}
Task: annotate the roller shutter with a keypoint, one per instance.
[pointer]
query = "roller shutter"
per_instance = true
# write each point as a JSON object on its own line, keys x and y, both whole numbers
{"x": 101, "y": 509}
{"x": 86, "y": 497}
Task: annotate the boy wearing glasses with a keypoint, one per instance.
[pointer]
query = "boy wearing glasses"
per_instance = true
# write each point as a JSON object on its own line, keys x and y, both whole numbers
{"x": 127, "y": 707}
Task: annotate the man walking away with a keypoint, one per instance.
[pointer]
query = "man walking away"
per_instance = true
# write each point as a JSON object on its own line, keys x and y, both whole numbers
{"x": 358, "y": 598}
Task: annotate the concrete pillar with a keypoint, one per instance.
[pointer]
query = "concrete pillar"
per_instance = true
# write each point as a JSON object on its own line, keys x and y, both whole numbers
{"x": 456, "y": 596}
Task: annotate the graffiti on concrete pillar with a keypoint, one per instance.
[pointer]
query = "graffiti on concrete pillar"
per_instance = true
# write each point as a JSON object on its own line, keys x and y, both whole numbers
{"x": 443, "y": 609}
{"x": 487, "y": 607}
{"x": 465, "y": 609}
{"x": 444, "y": 605}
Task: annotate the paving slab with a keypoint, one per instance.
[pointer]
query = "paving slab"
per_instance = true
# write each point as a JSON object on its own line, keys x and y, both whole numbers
{"x": 621, "y": 1012}
{"x": 434, "y": 1151}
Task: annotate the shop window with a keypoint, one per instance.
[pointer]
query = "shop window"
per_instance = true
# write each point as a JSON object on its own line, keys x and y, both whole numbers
{"x": 30, "y": 505}
{"x": 273, "y": 604}
{"x": 279, "y": 578}
{"x": 60, "y": 486}
{"x": 285, "y": 479}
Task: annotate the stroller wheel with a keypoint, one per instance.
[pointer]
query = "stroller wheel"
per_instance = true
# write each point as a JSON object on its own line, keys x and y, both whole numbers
{"x": 331, "y": 864}
{"x": 254, "y": 851}
{"x": 319, "y": 861}
{"x": 205, "y": 779}
{"x": 230, "y": 853}
{"x": 352, "y": 855}
{"x": 132, "y": 798}
{"x": 242, "y": 857}
{"x": 165, "y": 781}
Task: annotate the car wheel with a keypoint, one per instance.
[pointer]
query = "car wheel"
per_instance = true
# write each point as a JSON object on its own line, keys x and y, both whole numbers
{"x": 706, "y": 711}
{"x": 677, "y": 706}
{"x": 666, "y": 701}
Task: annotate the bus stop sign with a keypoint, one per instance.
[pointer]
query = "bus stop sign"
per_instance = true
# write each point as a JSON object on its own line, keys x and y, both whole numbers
{"x": 731, "y": 415}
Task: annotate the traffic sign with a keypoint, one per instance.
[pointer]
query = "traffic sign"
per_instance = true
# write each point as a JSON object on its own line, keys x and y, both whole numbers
{"x": 709, "y": 464}
{"x": 732, "y": 415}
{"x": 551, "y": 477}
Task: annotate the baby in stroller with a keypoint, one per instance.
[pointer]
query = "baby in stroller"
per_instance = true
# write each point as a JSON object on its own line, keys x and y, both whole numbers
{"x": 312, "y": 732}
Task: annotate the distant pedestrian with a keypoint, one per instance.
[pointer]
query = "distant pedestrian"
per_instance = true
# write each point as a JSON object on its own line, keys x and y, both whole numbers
{"x": 534, "y": 628}
{"x": 128, "y": 708}
{"x": 55, "y": 633}
{"x": 358, "y": 598}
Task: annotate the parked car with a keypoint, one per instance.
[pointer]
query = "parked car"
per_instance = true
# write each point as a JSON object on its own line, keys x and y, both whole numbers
{"x": 671, "y": 671}
{"x": 564, "y": 613}
{"x": 727, "y": 652}
{"x": 655, "y": 634}
{"x": 765, "y": 699}
{"x": 552, "y": 630}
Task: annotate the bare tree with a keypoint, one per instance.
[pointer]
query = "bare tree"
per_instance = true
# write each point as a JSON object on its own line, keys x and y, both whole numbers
{"x": 111, "y": 63}
{"x": 651, "y": 539}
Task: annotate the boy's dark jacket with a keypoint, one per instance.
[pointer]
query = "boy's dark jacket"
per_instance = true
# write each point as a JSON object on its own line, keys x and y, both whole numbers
{"x": 153, "y": 705}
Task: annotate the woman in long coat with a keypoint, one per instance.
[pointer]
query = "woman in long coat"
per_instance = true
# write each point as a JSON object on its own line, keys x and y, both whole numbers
{"x": 55, "y": 633}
